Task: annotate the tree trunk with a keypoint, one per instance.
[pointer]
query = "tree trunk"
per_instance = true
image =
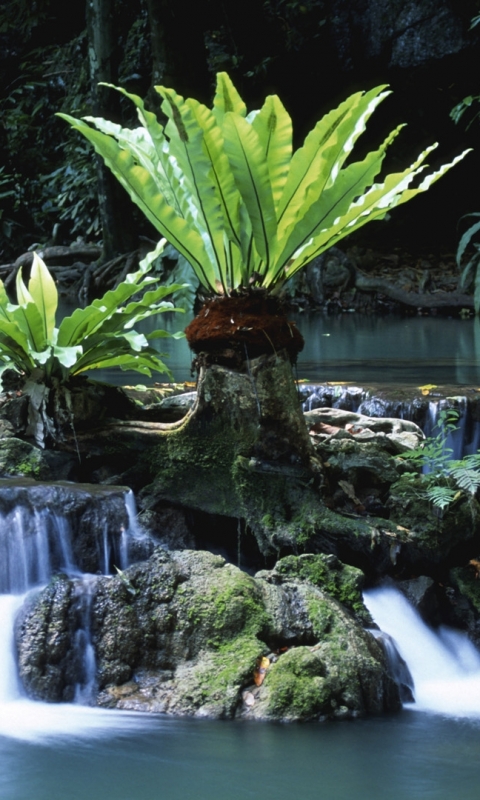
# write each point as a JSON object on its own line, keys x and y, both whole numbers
{"x": 177, "y": 30}
{"x": 104, "y": 56}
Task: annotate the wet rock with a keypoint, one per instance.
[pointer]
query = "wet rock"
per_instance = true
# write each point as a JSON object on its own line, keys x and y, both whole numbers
{"x": 421, "y": 592}
{"x": 23, "y": 459}
{"x": 184, "y": 632}
{"x": 46, "y": 626}
{"x": 83, "y": 519}
{"x": 437, "y": 538}
{"x": 463, "y": 600}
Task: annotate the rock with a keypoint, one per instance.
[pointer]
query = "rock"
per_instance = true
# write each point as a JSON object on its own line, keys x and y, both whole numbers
{"x": 394, "y": 435}
{"x": 183, "y": 634}
{"x": 463, "y": 600}
{"x": 401, "y": 34}
{"x": 20, "y": 458}
{"x": 437, "y": 540}
{"x": 421, "y": 592}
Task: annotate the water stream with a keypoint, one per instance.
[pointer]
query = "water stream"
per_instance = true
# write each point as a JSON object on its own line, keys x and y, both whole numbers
{"x": 444, "y": 664}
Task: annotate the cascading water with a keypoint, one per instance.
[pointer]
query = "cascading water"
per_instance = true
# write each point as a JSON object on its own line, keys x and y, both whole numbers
{"x": 444, "y": 664}
{"x": 84, "y": 649}
{"x": 35, "y": 543}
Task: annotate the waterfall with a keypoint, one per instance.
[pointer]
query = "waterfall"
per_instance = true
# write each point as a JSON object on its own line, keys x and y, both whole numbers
{"x": 36, "y": 542}
{"x": 444, "y": 664}
{"x": 84, "y": 649}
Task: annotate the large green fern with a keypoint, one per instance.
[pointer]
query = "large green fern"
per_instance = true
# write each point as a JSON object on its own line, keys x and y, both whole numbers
{"x": 228, "y": 192}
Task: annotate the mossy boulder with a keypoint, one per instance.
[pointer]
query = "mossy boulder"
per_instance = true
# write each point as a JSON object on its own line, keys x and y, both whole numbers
{"x": 183, "y": 633}
{"x": 436, "y": 539}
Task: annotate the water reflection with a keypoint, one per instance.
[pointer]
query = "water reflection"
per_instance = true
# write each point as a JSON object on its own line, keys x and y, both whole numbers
{"x": 364, "y": 349}
{"x": 349, "y": 347}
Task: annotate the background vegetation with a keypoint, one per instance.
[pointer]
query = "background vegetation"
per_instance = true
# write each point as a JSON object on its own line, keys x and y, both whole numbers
{"x": 313, "y": 53}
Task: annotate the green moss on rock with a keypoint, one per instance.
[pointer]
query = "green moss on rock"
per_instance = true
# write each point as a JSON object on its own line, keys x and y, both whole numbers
{"x": 340, "y": 581}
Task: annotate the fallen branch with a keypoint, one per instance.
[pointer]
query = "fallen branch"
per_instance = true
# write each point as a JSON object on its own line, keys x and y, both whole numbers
{"x": 435, "y": 300}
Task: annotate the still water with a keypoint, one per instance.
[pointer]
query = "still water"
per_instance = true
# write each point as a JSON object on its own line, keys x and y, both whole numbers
{"x": 355, "y": 348}
{"x": 406, "y": 757}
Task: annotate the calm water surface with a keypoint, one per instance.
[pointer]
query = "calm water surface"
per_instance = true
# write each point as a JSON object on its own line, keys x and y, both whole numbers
{"x": 355, "y": 348}
{"x": 405, "y": 757}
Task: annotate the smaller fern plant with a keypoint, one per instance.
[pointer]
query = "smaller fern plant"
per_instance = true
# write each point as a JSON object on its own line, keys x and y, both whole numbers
{"x": 450, "y": 478}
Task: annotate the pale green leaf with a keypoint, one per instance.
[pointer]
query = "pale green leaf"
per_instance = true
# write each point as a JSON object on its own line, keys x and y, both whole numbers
{"x": 143, "y": 191}
{"x": 67, "y": 356}
{"x": 227, "y": 98}
{"x": 44, "y": 294}
{"x": 273, "y": 126}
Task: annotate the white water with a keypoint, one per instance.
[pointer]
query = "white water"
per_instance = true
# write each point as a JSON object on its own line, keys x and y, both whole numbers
{"x": 26, "y": 554}
{"x": 444, "y": 665}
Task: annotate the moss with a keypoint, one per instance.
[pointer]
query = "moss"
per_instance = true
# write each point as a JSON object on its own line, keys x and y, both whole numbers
{"x": 224, "y": 604}
{"x": 436, "y": 530}
{"x": 342, "y": 582}
{"x": 20, "y": 458}
{"x": 296, "y": 686}
{"x": 219, "y": 678}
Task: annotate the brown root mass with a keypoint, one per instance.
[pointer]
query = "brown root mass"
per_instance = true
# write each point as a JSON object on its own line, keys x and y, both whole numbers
{"x": 242, "y": 327}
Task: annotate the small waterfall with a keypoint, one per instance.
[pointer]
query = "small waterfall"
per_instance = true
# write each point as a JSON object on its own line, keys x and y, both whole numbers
{"x": 31, "y": 546}
{"x": 9, "y": 684}
{"x": 397, "y": 666}
{"x": 444, "y": 664}
{"x": 84, "y": 649}
{"x": 347, "y": 398}
{"x": 37, "y": 541}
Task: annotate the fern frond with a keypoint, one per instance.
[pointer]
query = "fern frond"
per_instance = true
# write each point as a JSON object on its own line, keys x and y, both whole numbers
{"x": 466, "y": 479}
{"x": 440, "y": 496}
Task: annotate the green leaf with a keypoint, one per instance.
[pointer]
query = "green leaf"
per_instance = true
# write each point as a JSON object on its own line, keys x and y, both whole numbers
{"x": 144, "y": 192}
{"x": 466, "y": 239}
{"x": 476, "y": 294}
{"x": 440, "y": 496}
{"x": 187, "y": 146}
{"x": 466, "y": 478}
{"x": 44, "y": 294}
{"x": 14, "y": 344}
{"x": 332, "y": 210}
{"x": 247, "y": 160}
{"x": 315, "y": 165}
{"x": 227, "y": 98}
{"x": 219, "y": 172}
{"x": 273, "y": 126}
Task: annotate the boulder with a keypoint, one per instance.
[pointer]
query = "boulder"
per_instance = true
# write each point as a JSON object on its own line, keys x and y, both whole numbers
{"x": 188, "y": 634}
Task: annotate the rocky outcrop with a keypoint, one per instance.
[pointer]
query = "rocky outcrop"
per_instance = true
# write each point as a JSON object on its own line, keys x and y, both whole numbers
{"x": 187, "y": 633}
{"x": 398, "y": 34}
